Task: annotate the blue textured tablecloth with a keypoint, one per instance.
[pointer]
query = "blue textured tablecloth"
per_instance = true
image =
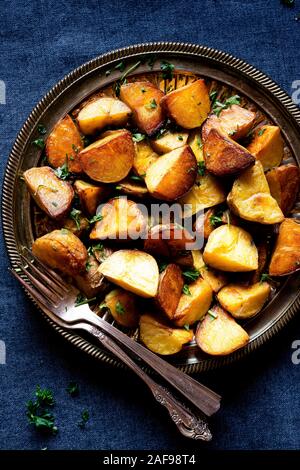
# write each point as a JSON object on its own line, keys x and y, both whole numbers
{"x": 41, "y": 41}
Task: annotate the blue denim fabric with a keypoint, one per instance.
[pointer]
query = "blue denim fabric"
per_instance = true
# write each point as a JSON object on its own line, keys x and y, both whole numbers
{"x": 41, "y": 41}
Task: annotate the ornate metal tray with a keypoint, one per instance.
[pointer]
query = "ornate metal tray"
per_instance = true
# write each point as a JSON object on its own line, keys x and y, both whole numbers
{"x": 257, "y": 90}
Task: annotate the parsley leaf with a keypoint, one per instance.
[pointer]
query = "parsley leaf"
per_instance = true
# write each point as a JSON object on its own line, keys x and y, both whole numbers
{"x": 75, "y": 215}
{"x": 120, "y": 308}
{"x": 39, "y": 143}
{"x": 138, "y": 137}
{"x": 85, "y": 416}
{"x": 167, "y": 70}
{"x": 186, "y": 327}
{"x": 96, "y": 218}
{"x": 264, "y": 277}
{"x": 91, "y": 249}
{"x": 152, "y": 104}
{"x": 82, "y": 300}
{"x": 261, "y": 131}
{"x": 162, "y": 266}
{"x": 186, "y": 290}
{"x": 214, "y": 220}
{"x": 73, "y": 389}
{"x": 212, "y": 314}
{"x": 191, "y": 274}
{"x": 38, "y": 413}
{"x": 44, "y": 396}
{"x": 120, "y": 66}
{"x": 218, "y": 106}
{"x": 63, "y": 171}
{"x": 201, "y": 168}
{"x": 136, "y": 178}
{"x": 42, "y": 129}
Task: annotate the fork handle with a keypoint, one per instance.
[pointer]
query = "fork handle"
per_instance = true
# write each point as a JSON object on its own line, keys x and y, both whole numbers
{"x": 190, "y": 425}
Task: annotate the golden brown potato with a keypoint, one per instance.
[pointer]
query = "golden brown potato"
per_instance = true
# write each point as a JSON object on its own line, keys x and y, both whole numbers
{"x": 169, "y": 141}
{"x": 223, "y": 156}
{"x": 90, "y": 282}
{"x": 133, "y": 270}
{"x": 110, "y": 159}
{"x": 234, "y": 121}
{"x": 123, "y": 307}
{"x": 219, "y": 334}
{"x": 244, "y": 301}
{"x": 132, "y": 188}
{"x": 90, "y": 195}
{"x": 168, "y": 240}
{"x": 286, "y": 256}
{"x": 51, "y": 194}
{"x": 77, "y": 225}
{"x": 169, "y": 290}
{"x": 172, "y": 175}
{"x": 161, "y": 338}
{"x": 143, "y": 158}
{"x": 63, "y": 145}
{"x": 121, "y": 220}
{"x": 195, "y": 142}
{"x": 193, "y": 306}
{"x": 284, "y": 184}
{"x": 250, "y": 197}
{"x": 231, "y": 248}
{"x": 62, "y": 250}
{"x": 267, "y": 146}
{"x": 207, "y": 222}
{"x": 144, "y": 99}
{"x": 262, "y": 250}
{"x": 188, "y": 106}
{"x": 215, "y": 279}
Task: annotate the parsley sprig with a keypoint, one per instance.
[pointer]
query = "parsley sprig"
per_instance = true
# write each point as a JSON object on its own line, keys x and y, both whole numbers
{"x": 191, "y": 274}
{"x": 38, "y": 413}
{"x": 218, "y": 106}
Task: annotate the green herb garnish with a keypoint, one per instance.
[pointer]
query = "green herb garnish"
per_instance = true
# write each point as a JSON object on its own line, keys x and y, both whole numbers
{"x": 218, "y": 106}
{"x": 42, "y": 129}
{"x": 138, "y": 137}
{"x": 91, "y": 249}
{"x": 117, "y": 85}
{"x": 191, "y": 274}
{"x": 39, "y": 143}
{"x": 213, "y": 95}
{"x": 119, "y": 308}
{"x": 73, "y": 389}
{"x": 63, "y": 171}
{"x": 151, "y": 105}
{"x": 82, "y": 300}
{"x": 120, "y": 66}
{"x": 261, "y": 131}
{"x": 215, "y": 220}
{"x": 212, "y": 314}
{"x": 179, "y": 137}
{"x": 201, "y": 168}
{"x": 85, "y": 416}
{"x": 38, "y": 413}
{"x": 75, "y": 215}
{"x": 264, "y": 277}
{"x": 186, "y": 290}
{"x": 88, "y": 266}
{"x": 167, "y": 70}
{"x": 162, "y": 266}
{"x": 186, "y": 327}
{"x": 96, "y": 218}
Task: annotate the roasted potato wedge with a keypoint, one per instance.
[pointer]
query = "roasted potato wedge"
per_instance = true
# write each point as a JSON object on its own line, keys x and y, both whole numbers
{"x": 133, "y": 270}
{"x": 104, "y": 111}
{"x": 169, "y": 141}
{"x": 284, "y": 184}
{"x": 63, "y": 145}
{"x": 244, "y": 301}
{"x": 286, "y": 256}
{"x": 219, "y": 334}
{"x": 234, "y": 121}
{"x": 51, "y": 194}
{"x": 194, "y": 306}
{"x": 172, "y": 175}
{"x": 61, "y": 250}
{"x": 215, "y": 279}
{"x": 231, "y": 248}
{"x": 144, "y": 99}
{"x": 122, "y": 219}
{"x": 132, "y": 188}
{"x": 189, "y": 105}
{"x": 123, "y": 307}
{"x": 110, "y": 159}
{"x": 168, "y": 240}
{"x": 143, "y": 158}
{"x": 91, "y": 282}
{"x": 161, "y": 338}
{"x": 169, "y": 290}
{"x": 267, "y": 146}
{"x": 223, "y": 156}
{"x": 195, "y": 142}
{"x": 90, "y": 195}
{"x": 251, "y": 200}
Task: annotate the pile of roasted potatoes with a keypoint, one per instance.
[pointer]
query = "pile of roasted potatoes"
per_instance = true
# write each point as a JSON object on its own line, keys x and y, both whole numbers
{"x": 190, "y": 146}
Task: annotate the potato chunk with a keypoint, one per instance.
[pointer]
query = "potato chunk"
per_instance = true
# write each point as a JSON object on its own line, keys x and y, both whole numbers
{"x": 223, "y": 156}
{"x": 132, "y": 188}
{"x": 104, "y": 111}
{"x": 110, "y": 159}
{"x": 231, "y": 248}
{"x": 250, "y": 197}
{"x": 195, "y": 142}
{"x": 123, "y": 307}
{"x": 244, "y": 301}
{"x": 193, "y": 306}
{"x": 90, "y": 195}
{"x": 286, "y": 256}
{"x": 121, "y": 220}
{"x": 267, "y": 146}
{"x": 234, "y": 121}
{"x": 133, "y": 270}
{"x": 169, "y": 141}
{"x": 169, "y": 290}
{"x": 143, "y": 158}
{"x": 61, "y": 250}
{"x": 172, "y": 175}
{"x": 91, "y": 282}
{"x": 161, "y": 338}
{"x": 189, "y": 105}
{"x": 51, "y": 194}
{"x": 215, "y": 279}
{"x": 168, "y": 240}
{"x": 219, "y": 334}
{"x": 284, "y": 184}
{"x": 144, "y": 99}
{"x": 63, "y": 145}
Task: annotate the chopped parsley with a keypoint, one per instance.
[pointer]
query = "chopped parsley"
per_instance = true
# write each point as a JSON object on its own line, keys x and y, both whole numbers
{"x": 136, "y": 178}
{"x": 96, "y": 218}
{"x": 218, "y": 106}
{"x": 73, "y": 389}
{"x": 88, "y": 266}
{"x": 261, "y": 131}
{"x": 264, "y": 277}
{"x": 212, "y": 314}
{"x": 75, "y": 215}
{"x": 138, "y": 137}
{"x": 120, "y": 308}
{"x": 82, "y": 300}
{"x": 215, "y": 220}
{"x": 117, "y": 85}
{"x": 75, "y": 148}
{"x": 191, "y": 274}
{"x": 162, "y": 266}
{"x": 199, "y": 142}
{"x": 85, "y": 416}
{"x": 186, "y": 327}
{"x": 167, "y": 70}
{"x": 39, "y": 143}
{"x": 152, "y": 104}
{"x": 120, "y": 66}
{"x": 179, "y": 137}
{"x": 91, "y": 249}
{"x": 201, "y": 168}
{"x": 63, "y": 171}
{"x": 213, "y": 95}
{"x": 38, "y": 413}
{"x": 42, "y": 129}
{"x": 186, "y": 290}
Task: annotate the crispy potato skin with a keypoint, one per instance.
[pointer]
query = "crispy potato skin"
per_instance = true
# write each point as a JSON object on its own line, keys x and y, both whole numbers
{"x": 223, "y": 156}
{"x": 122, "y": 220}
{"x": 143, "y": 158}
{"x": 133, "y": 188}
{"x": 116, "y": 149}
{"x": 284, "y": 184}
{"x": 251, "y": 200}
{"x": 133, "y": 270}
{"x": 216, "y": 279}
{"x": 192, "y": 308}
{"x": 61, "y": 250}
{"x": 244, "y": 301}
{"x": 169, "y": 141}
{"x": 64, "y": 143}
{"x": 286, "y": 256}
{"x": 90, "y": 195}
{"x": 267, "y": 146}
{"x": 101, "y": 112}
{"x": 144, "y": 99}
{"x": 220, "y": 336}
{"x": 91, "y": 282}
{"x": 188, "y": 106}
{"x": 231, "y": 248}
{"x": 206, "y": 192}
{"x": 51, "y": 194}
{"x": 169, "y": 290}
{"x": 172, "y": 175}
{"x": 123, "y": 307}
{"x": 161, "y": 338}
{"x": 234, "y": 121}
{"x": 168, "y": 240}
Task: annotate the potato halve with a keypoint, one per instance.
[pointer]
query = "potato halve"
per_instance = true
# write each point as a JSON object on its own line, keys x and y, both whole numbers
{"x": 90, "y": 195}
{"x": 169, "y": 290}
{"x": 284, "y": 184}
{"x": 143, "y": 158}
{"x": 244, "y": 301}
{"x": 234, "y": 121}
{"x": 169, "y": 141}
{"x": 286, "y": 256}
{"x": 193, "y": 307}
{"x": 267, "y": 146}
{"x": 123, "y": 307}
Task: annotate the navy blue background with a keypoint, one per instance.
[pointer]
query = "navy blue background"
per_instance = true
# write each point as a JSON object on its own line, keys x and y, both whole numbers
{"x": 41, "y": 41}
